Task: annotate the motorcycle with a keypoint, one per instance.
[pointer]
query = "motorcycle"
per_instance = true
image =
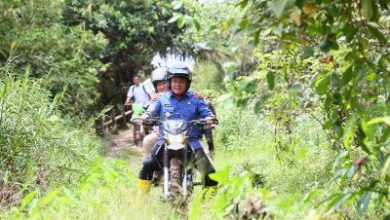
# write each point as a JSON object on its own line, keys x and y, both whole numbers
{"x": 178, "y": 156}
{"x": 139, "y": 130}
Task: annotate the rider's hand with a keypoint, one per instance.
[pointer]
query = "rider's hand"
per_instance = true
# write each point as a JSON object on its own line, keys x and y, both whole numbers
{"x": 144, "y": 116}
{"x": 155, "y": 97}
{"x": 198, "y": 95}
{"x": 210, "y": 120}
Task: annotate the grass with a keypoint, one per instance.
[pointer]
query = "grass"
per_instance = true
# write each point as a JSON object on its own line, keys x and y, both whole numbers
{"x": 289, "y": 185}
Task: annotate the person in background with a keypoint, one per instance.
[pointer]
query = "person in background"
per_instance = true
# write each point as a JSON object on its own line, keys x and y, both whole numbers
{"x": 137, "y": 93}
{"x": 138, "y": 98}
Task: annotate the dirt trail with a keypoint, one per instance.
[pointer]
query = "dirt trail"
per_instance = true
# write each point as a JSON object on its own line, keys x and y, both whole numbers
{"x": 123, "y": 142}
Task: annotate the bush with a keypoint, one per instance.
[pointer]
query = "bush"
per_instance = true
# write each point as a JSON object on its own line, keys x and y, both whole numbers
{"x": 38, "y": 146}
{"x": 34, "y": 37}
{"x": 214, "y": 76}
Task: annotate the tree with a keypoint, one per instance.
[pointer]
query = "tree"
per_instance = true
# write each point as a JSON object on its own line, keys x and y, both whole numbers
{"x": 338, "y": 52}
{"x": 65, "y": 58}
{"x": 135, "y": 30}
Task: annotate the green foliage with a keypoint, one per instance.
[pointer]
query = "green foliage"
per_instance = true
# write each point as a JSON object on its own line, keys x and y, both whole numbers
{"x": 106, "y": 190}
{"x": 315, "y": 73}
{"x": 134, "y": 30}
{"x": 318, "y": 57}
{"x": 66, "y": 58}
{"x": 39, "y": 147}
{"x": 214, "y": 75}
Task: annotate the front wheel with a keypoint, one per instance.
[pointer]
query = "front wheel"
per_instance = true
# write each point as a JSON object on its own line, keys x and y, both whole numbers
{"x": 138, "y": 135}
{"x": 174, "y": 184}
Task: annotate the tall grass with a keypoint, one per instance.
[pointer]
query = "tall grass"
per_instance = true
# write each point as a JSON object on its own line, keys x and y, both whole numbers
{"x": 291, "y": 186}
{"x": 38, "y": 146}
{"x": 280, "y": 175}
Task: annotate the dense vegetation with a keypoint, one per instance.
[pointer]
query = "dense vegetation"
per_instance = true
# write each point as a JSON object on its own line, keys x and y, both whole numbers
{"x": 302, "y": 90}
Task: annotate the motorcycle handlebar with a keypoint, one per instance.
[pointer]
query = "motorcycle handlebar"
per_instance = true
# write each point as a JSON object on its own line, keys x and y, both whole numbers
{"x": 148, "y": 121}
{"x": 156, "y": 121}
{"x": 204, "y": 121}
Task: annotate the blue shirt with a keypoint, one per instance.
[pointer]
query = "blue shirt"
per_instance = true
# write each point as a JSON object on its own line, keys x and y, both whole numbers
{"x": 189, "y": 107}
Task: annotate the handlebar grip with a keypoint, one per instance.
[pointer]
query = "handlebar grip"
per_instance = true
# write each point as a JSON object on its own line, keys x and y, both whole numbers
{"x": 149, "y": 122}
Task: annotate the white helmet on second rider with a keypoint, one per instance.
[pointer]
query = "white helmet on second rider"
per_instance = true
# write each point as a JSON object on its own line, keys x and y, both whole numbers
{"x": 159, "y": 75}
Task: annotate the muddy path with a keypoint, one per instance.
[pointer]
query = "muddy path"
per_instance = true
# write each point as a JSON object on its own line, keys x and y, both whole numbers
{"x": 121, "y": 146}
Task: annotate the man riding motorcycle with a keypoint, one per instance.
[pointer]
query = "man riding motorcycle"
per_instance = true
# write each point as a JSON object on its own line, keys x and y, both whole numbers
{"x": 178, "y": 101}
{"x": 160, "y": 83}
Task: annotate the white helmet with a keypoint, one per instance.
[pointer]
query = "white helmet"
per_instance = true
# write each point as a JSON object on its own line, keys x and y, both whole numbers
{"x": 158, "y": 75}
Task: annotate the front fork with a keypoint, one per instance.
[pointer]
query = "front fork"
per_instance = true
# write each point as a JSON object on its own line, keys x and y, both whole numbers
{"x": 166, "y": 173}
{"x": 186, "y": 174}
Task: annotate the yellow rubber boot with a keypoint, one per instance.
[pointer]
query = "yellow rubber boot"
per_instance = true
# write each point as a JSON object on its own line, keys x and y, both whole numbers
{"x": 144, "y": 185}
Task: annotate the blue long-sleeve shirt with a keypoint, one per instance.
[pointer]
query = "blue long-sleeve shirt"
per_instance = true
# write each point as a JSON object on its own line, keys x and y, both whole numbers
{"x": 188, "y": 106}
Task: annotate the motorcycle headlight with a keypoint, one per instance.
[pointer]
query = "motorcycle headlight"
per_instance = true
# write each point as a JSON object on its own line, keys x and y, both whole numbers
{"x": 175, "y": 138}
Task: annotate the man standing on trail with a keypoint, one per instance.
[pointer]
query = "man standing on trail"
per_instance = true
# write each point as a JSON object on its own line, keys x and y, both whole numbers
{"x": 178, "y": 101}
{"x": 137, "y": 93}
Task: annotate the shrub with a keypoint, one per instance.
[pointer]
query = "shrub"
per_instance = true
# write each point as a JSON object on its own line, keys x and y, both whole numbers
{"x": 38, "y": 146}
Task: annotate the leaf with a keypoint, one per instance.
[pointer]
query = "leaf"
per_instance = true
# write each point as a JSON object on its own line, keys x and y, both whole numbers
{"x": 28, "y": 199}
{"x": 378, "y": 120}
{"x": 177, "y": 5}
{"x": 72, "y": 196}
{"x": 349, "y": 32}
{"x": 49, "y": 197}
{"x": 278, "y": 7}
{"x": 181, "y": 21}
{"x": 339, "y": 159}
{"x": 243, "y": 3}
{"x": 32, "y": 207}
{"x": 309, "y": 197}
{"x": 322, "y": 84}
{"x": 221, "y": 176}
{"x": 349, "y": 132}
{"x": 258, "y": 106}
{"x": 337, "y": 200}
{"x": 342, "y": 201}
{"x": 330, "y": 200}
{"x": 347, "y": 76}
{"x": 271, "y": 79}
{"x": 196, "y": 24}
{"x": 351, "y": 172}
{"x": 385, "y": 135}
{"x": 175, "y": 17}
{"x": 374, "y": 30}
{"x": 244, "y": 23}
{"x": 385, "y": 170}
{"x": 363, "y": 202}
{"x": 227, "y": 25}
{"x": 367, "y": 9}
